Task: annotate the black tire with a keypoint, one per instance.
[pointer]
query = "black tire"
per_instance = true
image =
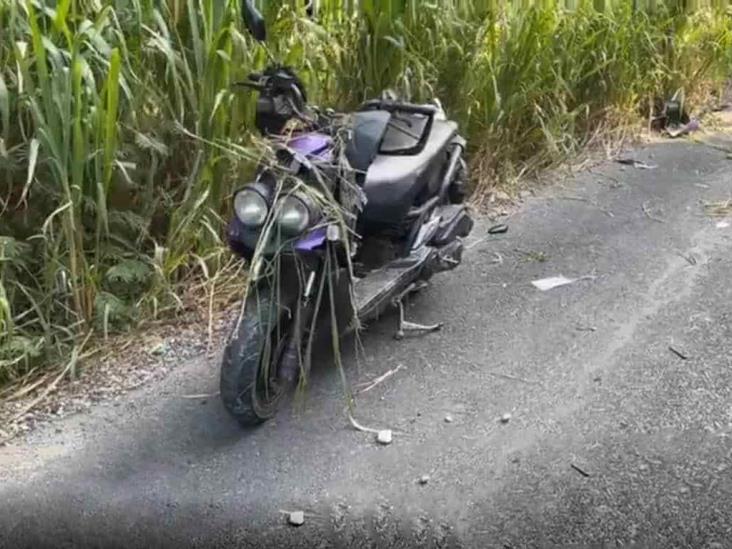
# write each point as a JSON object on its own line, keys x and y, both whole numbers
{"x": 244, "y": 391}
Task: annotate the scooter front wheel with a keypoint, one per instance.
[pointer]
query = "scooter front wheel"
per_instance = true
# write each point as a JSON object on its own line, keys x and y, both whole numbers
{"x": 249, "y": 387}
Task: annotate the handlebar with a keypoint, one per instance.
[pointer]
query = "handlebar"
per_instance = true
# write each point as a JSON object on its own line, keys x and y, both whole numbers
{"x": 392, "y": 106}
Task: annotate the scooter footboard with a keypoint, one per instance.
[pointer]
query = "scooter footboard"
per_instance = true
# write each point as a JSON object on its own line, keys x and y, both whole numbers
{"x": 376, "y": 291}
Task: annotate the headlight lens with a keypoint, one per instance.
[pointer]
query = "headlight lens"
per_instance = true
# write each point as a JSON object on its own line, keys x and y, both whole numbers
{"x": 293, "y": 216}
{"x": 250, "y": 208}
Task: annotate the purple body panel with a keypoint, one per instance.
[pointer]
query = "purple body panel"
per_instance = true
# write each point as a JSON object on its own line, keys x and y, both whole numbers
{"x": 312, "y": 240}
{"x": 313, "y": 146}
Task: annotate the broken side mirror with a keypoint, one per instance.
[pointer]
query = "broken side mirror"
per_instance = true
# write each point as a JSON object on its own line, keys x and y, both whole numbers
{"x": 253, "y": 20}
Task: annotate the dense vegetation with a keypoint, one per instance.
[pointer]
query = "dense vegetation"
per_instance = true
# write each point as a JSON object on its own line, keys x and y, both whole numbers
{"x": 121, "y": 137}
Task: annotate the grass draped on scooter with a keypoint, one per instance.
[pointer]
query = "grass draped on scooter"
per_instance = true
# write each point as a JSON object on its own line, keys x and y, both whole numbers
{"x": 266, "y": 263}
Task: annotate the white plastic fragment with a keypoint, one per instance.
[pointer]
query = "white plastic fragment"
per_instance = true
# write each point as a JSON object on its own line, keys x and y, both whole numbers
{"x": 296, "y": 518}
{"x": 424, "y": 479}
{"x": 722, "y": 224}
{"x": 448, "y": 418}
{"x": 546, "y": 284}
{"x": 384, "y": 437}
{"x": 505, "y": 418}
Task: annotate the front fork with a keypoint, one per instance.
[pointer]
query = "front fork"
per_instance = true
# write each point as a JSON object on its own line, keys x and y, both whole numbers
{"x": 293, "y": 363}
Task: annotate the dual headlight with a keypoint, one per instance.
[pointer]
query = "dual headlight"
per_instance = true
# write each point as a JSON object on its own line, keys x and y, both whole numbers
{"x": 293, "y": 213}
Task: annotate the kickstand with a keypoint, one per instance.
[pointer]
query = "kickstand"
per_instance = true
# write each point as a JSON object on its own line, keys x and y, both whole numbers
{"x": 404, "y": 325}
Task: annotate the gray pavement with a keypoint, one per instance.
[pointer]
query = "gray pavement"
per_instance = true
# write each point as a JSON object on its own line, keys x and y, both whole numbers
{"x": 585, "y": 371}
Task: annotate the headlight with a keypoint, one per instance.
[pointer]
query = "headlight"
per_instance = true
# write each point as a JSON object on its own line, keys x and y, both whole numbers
{"x": 250, "y": 208}
{"x": 293, "y": 215}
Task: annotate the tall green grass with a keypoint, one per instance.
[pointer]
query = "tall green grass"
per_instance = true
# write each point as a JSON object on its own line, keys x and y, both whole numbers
{"x": 121, "y": 134}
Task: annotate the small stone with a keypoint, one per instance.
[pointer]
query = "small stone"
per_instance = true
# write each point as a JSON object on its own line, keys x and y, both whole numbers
{"x": 505, "y": 418}
{"x": 384, "y": 437}
{"x": 424, "y": 479}
{"x": 296, "y": 518}
{"x": 159, "y": 349}
{"x": 448, "y": 418}
{"x": 500, "y": 195}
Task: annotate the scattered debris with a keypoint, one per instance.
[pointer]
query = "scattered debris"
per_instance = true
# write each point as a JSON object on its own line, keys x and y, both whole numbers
{"x": 546, "y": 284}
{"x": 296, "y": 518}
{"x": 552, "y": 282}
{"x": 371, "y": 384}
{"x": 448, "y": 418}
{"x": 498, "y": 229}
{"x": 514, "y": 378}
{"x": 500, "y": 195}
{"x": 424, "y": 479}
{"x": 159, "y": 349}
{"x": 690, "y": 259}
{"x": 541, "y": 257}
{"x": 644, "y": 206}
{"x": 638, "y": 164}
{"x": 384, "y": 437}
{"x": 719, "y": 209}
{"x": 581, "y": 328}
{"x": 497, "y": 258}
{"x": 525, "y": 194}
{"x": 674, "y": 112}
{"x": 195, "y": 397}
{"x": 580, "y": 471}
{"x": 678, "y": 353}
{"x": 505, "y": 418}
{"x": 722, "y": 224}
{"x": 685, "y": 129}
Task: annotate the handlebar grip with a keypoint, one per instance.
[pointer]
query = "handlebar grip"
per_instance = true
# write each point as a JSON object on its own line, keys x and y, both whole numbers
{"x": 249, "y": 84}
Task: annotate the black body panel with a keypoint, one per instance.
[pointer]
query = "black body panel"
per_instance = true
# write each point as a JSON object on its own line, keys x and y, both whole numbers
{"x": 368, "y": 132}
{"x": 394, "y": 182}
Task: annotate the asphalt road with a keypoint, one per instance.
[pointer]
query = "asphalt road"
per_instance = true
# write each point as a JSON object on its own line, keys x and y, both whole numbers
{"x": 585, "y": 371}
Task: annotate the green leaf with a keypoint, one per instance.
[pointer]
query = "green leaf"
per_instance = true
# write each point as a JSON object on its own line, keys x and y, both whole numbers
{"x": 129, "y": 271}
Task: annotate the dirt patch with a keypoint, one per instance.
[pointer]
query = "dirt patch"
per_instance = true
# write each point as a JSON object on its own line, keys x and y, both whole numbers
{"x": 119, "y": 365}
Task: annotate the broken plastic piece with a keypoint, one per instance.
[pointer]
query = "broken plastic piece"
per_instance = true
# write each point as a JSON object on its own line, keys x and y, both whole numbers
{"x": 639, "y": 164}
{"x": 678, "y": 131}
{"x": 552, "y": 282}
{"x": 296, "y": 518}
{"x": 384, "y": 437}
